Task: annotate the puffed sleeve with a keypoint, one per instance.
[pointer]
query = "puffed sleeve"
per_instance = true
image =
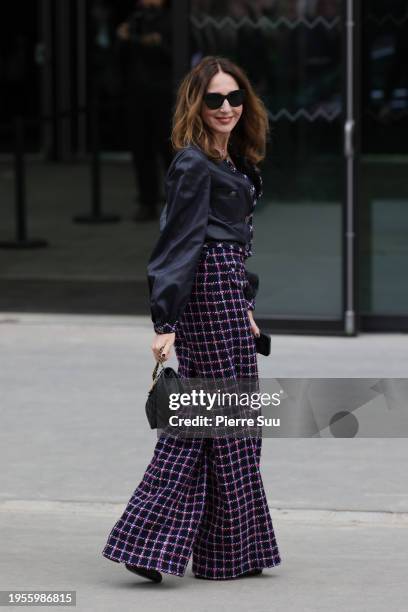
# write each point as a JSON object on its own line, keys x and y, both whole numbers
{"x": 173, "y": 262}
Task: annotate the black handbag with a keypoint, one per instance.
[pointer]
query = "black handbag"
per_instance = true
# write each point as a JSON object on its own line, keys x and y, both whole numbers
{"x": 165, "y": 382}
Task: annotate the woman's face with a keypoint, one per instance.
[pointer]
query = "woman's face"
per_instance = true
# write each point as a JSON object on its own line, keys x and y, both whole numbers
{"x": 221, "y": 120}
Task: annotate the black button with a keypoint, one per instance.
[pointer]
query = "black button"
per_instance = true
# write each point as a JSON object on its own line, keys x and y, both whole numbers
{"x": 232, "y": 192}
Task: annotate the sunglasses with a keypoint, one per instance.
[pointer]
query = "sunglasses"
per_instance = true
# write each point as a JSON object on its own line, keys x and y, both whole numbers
{"x": 215, "y": 100}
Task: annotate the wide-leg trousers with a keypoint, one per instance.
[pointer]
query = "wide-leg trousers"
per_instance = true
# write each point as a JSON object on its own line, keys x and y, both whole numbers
{"x": 204, "y": 497}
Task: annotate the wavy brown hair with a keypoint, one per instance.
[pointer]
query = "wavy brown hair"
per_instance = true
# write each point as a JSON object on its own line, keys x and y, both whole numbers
{"x": 248, "y": 138}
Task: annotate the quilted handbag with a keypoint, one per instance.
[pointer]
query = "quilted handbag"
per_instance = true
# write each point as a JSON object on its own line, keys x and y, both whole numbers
{"x": 165, "y": 382}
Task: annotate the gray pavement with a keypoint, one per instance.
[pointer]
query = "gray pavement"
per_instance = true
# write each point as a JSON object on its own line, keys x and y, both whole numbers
{"x": 74, "y": 444}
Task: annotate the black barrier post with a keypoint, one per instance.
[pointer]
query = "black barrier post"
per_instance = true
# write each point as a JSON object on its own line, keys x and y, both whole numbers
{"x": 96, "y": 215}
{"x": 21, "y": 241}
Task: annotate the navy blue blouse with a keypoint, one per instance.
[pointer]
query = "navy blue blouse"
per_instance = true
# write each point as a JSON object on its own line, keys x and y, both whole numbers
{"x": 184, "y": 228}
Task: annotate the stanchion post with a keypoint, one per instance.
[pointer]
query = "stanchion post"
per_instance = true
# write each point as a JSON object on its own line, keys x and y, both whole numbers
{"x": 19, "y": 175}
{"x": 20, "y": 208}
{"x": 95, "y": 162}
{"x": 96, "y": 215}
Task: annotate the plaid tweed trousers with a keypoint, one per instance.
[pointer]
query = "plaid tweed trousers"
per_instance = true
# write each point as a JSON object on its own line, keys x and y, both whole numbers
{"x": 204, "y": 496}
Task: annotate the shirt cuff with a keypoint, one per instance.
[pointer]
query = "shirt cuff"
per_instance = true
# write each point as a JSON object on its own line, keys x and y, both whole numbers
{"x": 165, "y": 328}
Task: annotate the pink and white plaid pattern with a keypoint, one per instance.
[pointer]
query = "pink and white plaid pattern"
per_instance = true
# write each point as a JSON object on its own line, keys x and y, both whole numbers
{"x": 214, "y": 338}
{"x": 204, "y": 497}
{"x": 201, "y": 497}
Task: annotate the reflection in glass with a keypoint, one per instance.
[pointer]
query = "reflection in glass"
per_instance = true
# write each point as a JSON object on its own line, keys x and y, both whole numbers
{"x": 292, "y": 52}
{"x": 384, "y": 205}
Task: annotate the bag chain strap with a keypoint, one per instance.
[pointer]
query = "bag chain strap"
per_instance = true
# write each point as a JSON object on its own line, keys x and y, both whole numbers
{"x": 155, "y": 375}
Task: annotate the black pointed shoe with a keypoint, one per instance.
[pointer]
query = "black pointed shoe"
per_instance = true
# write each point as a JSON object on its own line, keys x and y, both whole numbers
{"x": 145, "y": 572}
{"x": 254, "y": 572}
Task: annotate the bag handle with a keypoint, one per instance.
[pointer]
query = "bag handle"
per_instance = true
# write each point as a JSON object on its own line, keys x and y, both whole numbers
{"x": 155, "y": 375}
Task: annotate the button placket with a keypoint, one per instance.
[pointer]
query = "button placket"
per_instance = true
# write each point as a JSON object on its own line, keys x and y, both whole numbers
{"x": 251, "y": 186}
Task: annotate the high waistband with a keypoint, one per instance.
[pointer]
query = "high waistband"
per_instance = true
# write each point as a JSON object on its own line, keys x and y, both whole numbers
{"x": 232, "y": 244}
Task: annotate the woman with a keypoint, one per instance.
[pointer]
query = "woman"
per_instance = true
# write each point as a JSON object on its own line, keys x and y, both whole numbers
{"x": 205, "y": 496}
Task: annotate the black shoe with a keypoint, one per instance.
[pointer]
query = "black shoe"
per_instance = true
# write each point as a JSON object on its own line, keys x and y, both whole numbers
{"x": 151, "y": 574}
{"x": 145, "y": 213}
{"x": 254, "y": 572}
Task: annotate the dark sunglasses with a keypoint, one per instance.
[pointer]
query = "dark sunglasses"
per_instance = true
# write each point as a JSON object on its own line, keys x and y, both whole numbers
{"x": 215, "y": 100}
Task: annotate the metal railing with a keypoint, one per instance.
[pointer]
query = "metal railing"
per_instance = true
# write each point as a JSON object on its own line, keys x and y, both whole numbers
{"x": 22, "y": 240}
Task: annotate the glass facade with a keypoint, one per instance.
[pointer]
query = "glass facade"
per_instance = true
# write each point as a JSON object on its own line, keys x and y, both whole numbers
{"x": 294, "y": 60}
{"x": 331, "y": 231}
{"x": 384, "y": 158}
{"x": 21, "y": 57}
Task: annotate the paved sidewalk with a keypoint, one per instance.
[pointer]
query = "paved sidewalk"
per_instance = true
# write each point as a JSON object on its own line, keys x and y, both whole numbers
{"x": 325, "y": 567}
{"x": 74, "y": 444}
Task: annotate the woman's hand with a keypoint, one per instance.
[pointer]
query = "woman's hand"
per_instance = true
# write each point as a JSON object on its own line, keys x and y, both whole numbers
{"x": 254, "y": 328}
{"x": 161, "y": 346}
